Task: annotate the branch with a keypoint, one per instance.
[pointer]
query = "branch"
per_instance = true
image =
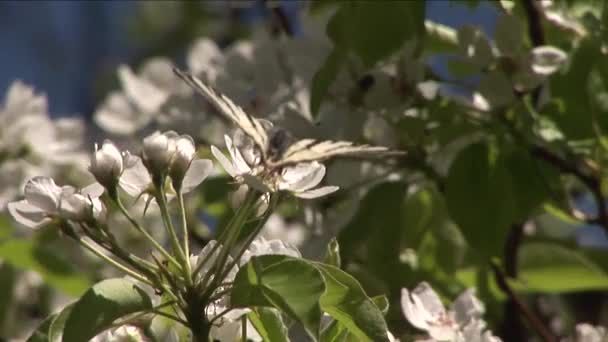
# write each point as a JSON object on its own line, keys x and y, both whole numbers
{"x": 535, "y": 25}
{"x": 591, "y": 181}
{"x": 282, "y": 20}
{"x": 534, "y": 321}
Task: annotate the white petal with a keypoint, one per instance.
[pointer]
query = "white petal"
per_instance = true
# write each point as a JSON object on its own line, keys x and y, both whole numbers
{"x": 146, "y": 95}
{"x": 226, "y": 164}
{"x": 43, "y": 193}
{"x": 237, "y": 158}
{"x": 318, "y": 192}
{"x": 255, "y": 183}
{"x": 94, "y": 190}
{"x": 27, "y": 214}
{"x": 467, "y": 307}
{"x": 303, "y": 176}
{"x": 547, "y": 59}
{"x": 413, "y": 310}
{"x": 429, "y": 299}
{"x": 197, "y": 172}
{"x": 136, "y": 179}
{"x": 117, "y": 115}
{"x": 203, "y": 55}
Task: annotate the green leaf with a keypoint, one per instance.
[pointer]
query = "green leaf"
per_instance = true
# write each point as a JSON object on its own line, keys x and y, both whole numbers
{"x": 382, "y": 303}
{"x": 162, "y": 328}
{"x": 550, "y": 268}
{"x": 530, "y": 182}
{"x": 41, "y": 334}
{"x": 6, "y": 228}
{"x": 324, "y": 78}
{"x": 573, "y": 113}
{"x": 418, "y": 214}
{"x": 57, "y": 272}
{"x": 269, "y": 324}
{"x": 103, "y": 303}
{"x": 373, "y": 31}
{"x": 292, "y": 285}
{"x": 58, "y": 324}
{"x": 332, "y": 255}
{"x": 479, "y": 198}
{"x": 345, "y": 300}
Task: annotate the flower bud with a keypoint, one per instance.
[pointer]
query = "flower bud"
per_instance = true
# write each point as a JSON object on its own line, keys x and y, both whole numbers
{"x": 158, "y": 151}
{"x": 107, "y": 164}
{"x": 182, "y": 158}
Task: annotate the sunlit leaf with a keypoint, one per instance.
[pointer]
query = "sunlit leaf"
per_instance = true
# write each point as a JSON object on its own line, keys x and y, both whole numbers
{"x": 268, "y": 324}
{"x": 103, "y": 303}
{"x": 346, "y": 301}
{"x": 550, "y": 268}
{"x": 291, "y": 285}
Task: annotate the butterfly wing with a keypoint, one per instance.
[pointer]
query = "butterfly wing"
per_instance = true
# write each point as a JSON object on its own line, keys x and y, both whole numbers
{"x": 254, "y": 128}
{"x": 307, "y": 150}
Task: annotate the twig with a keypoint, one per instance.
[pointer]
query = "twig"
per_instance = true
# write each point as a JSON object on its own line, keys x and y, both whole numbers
{"x": 282, "y": 20}
{"x": 534, "y": 321}
{"x": 591, "y": 181}
{"x": 535, "y": 25}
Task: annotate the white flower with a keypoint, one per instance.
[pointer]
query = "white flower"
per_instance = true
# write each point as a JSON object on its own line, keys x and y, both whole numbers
{"x": 136, "y": 181}
{"x": 228, "y": 327}
{"x": 588, "y": 333}
{"x": 182, "y": 158}
{"x": 299, "y": 180}
{"x": 261, "y": 246}
{"x": 44, "y": 200}
{"x": 277, "y": 228}
{"x": 302, "y": 178}
{"x": 158, "y": 150}
{"x": 424, "y": 310}
{"x": 31, "y": 143}
{"x": 124, "y": 333}
{"x": 107, "y": 164}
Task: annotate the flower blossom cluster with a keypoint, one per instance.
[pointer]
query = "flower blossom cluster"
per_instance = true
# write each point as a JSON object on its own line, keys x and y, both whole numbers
{"x": 31, "y": 143}
{"x": 164, "y": 155}
{"x": 228, "y": 327}
{"x": 462, "y": 323}
{"x": 300, "y": 180}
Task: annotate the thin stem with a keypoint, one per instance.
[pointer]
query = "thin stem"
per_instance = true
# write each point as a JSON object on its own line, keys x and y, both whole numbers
{"x": 147, "y": 235}
{"x": 232, "y": 233}
{"x": 170, "y": 316}
{"x": 244, "y": 328}
{"x": 218, "y": 316}
{"x": 113, "y": 262}
{"x": 186, "y": 240}
{"x": 177, "y": 249}
{"x": 534, "y": 321}
{"x": 249, "y": 240}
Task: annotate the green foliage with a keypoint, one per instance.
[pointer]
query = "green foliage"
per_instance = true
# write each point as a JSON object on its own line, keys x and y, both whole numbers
{"x": 479, "y": 198}
{"x": 332, "y": 255}
{"x": 324, "y": 77}
{"x": 291, "y": 285}
{"x": 551, "y": 268}
{"x": 373, "y": 31}
{"x": 56, "y": 271}
{"x": 103, "y": 303}
{"x": 269, "y": 324}
{"x": 303, "y": 289}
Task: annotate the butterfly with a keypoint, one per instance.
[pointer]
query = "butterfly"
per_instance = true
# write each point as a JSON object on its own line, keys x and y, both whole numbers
{"x": 275, "y": 145}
